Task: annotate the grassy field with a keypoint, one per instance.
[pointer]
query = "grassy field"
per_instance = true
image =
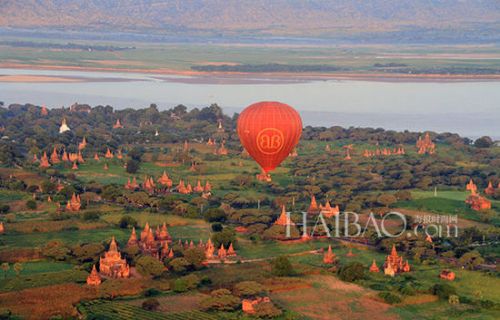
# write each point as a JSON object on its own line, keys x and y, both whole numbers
{"x": 447, "y": 202}
{"x": 39, "y": 274}
{"x": 181, "y": 57}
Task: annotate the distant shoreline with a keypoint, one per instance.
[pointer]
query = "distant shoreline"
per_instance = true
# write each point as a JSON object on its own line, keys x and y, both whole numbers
{"x": 235, "y": 77}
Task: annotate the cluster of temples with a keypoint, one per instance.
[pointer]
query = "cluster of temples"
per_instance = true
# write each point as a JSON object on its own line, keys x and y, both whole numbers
{"x": 425, "y": 145}
{"x": 164, "y": 183}
{"x": 222, "y": 252}
{"x": 74, "y": 204}
{"x": 220, "y": 151}
{"x": 395, "y": 264}
{"x": 152, "y": 242}
{"x": 76, "y": 158}
{"x": 327, "y": 210}
{"x": 156, "y": 244}
{"x": 384, "y": 152}
{"x": 475, "y": 200}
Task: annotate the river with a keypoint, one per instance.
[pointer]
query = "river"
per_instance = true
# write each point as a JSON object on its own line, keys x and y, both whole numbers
{"x": 470, "y": 108}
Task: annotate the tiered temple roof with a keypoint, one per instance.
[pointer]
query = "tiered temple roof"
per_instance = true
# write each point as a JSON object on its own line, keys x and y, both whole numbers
{"x": 222, "y": 253}
{"x": 313, "y": 207}
{"x": 490, "y": 190}
{"x": 74, "y": 204}
{"x": 109, "y": 154}
{"x": 329, "y": 257}
{"x": 478, "y": 202}
{"x": 118, "y": 124}
{"x": 348, "y": 150}
{"x": 54, "y": 157}
{"x": 208, "y": 187}
{"x": 44, "y": 111}
{"x": 198, "y": 188}
{"x": 425, "y": 145}
{"x": 153, "y": 243}
{"x": 222, "y": 151}
{"x": 475, "y": 200}
{"x": 112, "y": 264}
{"x": 374, "y": 268}
{"x": 471, "y": 186}
{"x": 64, "y": 126}
{"x": 44, "y": 161}
{"x": 164, "y": 180}
{"x": 149, "y": 184}
{"x": 395, "y": 264}
{"x": 283, "y": 218}
{"x": 328, "y": 211}
{"x": 220, "y": 128}
{"x": 94, "y": 279}
{"x": 82, "y": 144}
{"x": 73, "y": 157}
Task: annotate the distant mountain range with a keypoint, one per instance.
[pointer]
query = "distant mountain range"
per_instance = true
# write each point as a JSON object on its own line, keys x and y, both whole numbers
{"x": 404, "y": 19}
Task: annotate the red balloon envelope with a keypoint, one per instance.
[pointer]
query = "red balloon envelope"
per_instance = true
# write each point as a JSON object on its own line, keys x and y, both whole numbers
{"x": 269, "y": 131}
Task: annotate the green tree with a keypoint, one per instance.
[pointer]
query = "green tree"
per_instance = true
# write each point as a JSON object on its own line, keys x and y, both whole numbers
{"x": 266, "y": 310}
{"x": 390, "y": 297}
{"x": 220, "y": 300}
{"x": 133, "y": 166}
{"x": 18, "y": 267}
{"x": 151, "y": 304}
{"x": 281, "y": 267}
{"x": 127, "y": 221}
{"x": 352, "y": 272}
{"x": 483, "y": 142}
{"x": 88, "y": 252}
{"x": 471, "y": 259}
{"x": 226, "y": 236}
{"x": 179, "y": 265}
{"x": 248, "y": 289}
{"x": 31, "y": 204}
{"x": 5, "y": 268}
{"x": 443, "y": 290}
{"x": 386, "y": 199}
{"x": 149, "y": 266}
{"x": 195, "y": 257}
{"x": 56, "y": 250}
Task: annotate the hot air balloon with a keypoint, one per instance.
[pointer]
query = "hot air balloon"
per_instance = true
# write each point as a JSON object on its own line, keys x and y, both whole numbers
{"x": 269, "y": 130}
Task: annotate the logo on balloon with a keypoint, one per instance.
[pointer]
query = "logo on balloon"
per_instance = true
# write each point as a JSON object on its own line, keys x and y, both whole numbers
{"x": 270, "y": 141}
